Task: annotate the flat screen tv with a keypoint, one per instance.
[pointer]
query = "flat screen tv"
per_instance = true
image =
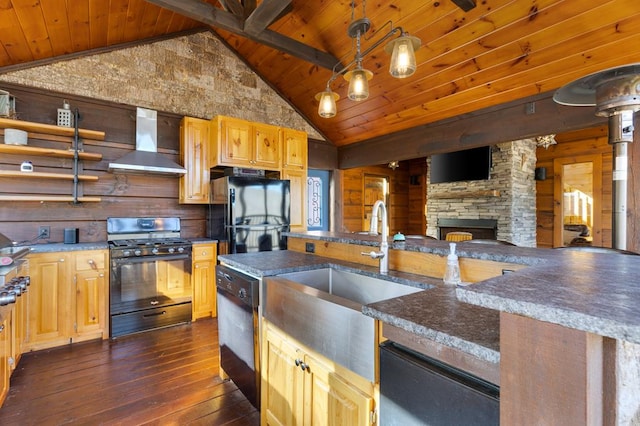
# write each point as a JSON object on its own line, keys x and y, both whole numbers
{"x": 470, "y": 164}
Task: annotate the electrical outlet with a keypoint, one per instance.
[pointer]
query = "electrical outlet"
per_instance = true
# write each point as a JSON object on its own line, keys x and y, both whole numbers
{"x": 44, "y": 232}
{"x": 309, "y": 247}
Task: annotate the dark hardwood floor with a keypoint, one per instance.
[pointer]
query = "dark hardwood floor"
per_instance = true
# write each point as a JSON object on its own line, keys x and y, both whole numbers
{"x": 162, "y": 377}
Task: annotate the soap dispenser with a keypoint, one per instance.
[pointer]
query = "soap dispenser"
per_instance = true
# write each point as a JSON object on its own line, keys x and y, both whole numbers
{"x": 452, "y": 272}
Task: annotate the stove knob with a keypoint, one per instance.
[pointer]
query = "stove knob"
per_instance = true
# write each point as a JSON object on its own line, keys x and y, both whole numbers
{"x": 180, "y": 249}
{"x": 154, "y": 251}
{"x": 242, "y": 293}
{"x": 137, "y": 252}
{"x": 126, "y": 253}
{"x": 171, "y": 249}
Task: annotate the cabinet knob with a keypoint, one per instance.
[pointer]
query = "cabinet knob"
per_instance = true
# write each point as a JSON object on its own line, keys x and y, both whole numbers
{"x": 62, "y": 259}
{"x": 92, "y": 263}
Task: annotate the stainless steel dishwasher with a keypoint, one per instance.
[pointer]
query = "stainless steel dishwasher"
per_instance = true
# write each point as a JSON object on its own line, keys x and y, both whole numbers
{"x": 418, "y": 390}
{"x": 238, "y": 330}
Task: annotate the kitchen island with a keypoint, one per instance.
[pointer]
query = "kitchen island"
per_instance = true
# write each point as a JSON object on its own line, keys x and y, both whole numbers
{"x": 593, "y": 295}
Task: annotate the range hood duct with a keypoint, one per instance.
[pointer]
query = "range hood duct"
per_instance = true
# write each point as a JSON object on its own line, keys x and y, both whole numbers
{"x": 145, "y": 159}
{"x": 615, "y": 93}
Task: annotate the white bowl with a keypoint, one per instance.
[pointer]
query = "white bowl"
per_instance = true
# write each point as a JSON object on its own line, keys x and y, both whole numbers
{"x": 15, "y": 137}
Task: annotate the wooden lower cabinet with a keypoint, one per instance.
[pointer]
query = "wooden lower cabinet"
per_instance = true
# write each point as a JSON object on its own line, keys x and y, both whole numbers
{"x": 203, "y": 280}
{"x": 303, "y": 388}
{"x": 68, "y": 298}
{"x": 5, "y": 351}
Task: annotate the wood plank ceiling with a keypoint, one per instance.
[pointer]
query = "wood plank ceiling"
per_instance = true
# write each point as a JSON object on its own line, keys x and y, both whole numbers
{"x": 496, "y": 52}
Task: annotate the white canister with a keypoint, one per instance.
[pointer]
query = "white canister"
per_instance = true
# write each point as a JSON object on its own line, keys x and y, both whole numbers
{"x": 15, "y": 137}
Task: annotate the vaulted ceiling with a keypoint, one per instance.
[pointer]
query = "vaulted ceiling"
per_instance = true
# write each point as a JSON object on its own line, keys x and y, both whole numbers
{"x": 493, "y": 52}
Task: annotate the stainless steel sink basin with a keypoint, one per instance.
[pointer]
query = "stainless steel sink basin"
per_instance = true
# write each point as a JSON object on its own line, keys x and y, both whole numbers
{"x": 356, "y": 287}
{"x": 322, "y": 308}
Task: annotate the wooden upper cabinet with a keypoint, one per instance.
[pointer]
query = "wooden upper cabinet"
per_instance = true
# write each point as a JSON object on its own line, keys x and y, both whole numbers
{"x": 194, "y": 156}
{"x": 295, "y": 149}
{"x": 241, "y": 143}
{"x": 267, "y": 146}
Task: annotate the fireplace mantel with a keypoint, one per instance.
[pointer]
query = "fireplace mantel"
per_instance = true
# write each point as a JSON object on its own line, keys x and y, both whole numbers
{"x": 466, "y": 194}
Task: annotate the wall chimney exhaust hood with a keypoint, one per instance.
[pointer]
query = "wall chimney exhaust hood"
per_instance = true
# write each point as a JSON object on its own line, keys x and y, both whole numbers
{"x": 145, "y": 159}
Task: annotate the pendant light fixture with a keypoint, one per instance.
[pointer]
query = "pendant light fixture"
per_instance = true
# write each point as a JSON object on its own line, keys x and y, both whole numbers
{"x": 403, "y": 62}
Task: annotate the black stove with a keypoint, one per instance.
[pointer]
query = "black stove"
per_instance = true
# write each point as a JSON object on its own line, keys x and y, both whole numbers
{"x": 150, "y": 280}
{"x": 148, "y": 247}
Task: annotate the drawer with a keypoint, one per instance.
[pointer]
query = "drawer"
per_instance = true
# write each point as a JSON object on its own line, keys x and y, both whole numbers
{"x": 90, "y": 260}
{"x": 203, "y": 251}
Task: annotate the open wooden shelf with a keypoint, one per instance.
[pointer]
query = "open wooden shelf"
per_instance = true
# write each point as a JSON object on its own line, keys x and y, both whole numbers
{"x": 45, "y": 175}
{"x": 75, "y": 177}
{"x": 43, "y": 198}
{"x": 48, "y": 152}
{"x": 50, "y": 129}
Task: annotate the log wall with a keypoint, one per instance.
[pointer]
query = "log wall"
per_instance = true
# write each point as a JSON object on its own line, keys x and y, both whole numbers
{"x": 122, "y": 194}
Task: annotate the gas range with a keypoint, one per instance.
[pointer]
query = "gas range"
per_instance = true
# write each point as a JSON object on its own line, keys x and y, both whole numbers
{"x": 141, "y": 237}
{"x": 149, "y": 247}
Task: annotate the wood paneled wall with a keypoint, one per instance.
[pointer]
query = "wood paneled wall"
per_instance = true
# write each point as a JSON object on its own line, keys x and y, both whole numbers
{"x": 351, "y": 186}
{"x": 593, "y": 141}
{"x": 122, "y": 194}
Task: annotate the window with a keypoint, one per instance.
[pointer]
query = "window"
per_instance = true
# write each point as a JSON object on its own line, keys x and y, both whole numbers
{"x": 318, "y": 200}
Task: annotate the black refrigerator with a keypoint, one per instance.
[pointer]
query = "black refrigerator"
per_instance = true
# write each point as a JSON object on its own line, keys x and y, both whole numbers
{"x": 250, "y": 213}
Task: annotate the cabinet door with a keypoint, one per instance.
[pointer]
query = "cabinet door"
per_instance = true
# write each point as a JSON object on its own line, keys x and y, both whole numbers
{"x": 91, "y": 305}
{"x": 194, "y": 155}
{"x": 204, "y": 295}
{"x": 5, "y": 352}
{"x": 49, "y": 302}
{"x": 267, "y": 150}
{"x": 298, "y": 185}
{"x": 236, "y": 147}
{"x": 295, "y": 149}
{"x": 332, "y": 401}
{"x": 283, "y": 382}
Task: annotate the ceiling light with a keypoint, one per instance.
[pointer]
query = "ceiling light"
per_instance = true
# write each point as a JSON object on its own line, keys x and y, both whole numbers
{"x": 358, "y": 83}
{"x": 403, "y": 58}
{"x": 327, "y": 103}
{"x": 403, "y": 61}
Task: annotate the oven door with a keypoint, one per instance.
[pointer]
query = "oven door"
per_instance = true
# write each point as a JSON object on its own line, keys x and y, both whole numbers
{"x": 149, "y": 292}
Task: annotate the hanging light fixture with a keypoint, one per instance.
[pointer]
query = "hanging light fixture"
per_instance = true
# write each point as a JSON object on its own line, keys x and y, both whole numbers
{"x": 403, "y": 62}
{"x": 327, "y": 103}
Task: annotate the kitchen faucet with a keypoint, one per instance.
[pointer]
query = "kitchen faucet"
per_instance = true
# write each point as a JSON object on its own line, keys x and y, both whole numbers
{"x": 383, "y": 254}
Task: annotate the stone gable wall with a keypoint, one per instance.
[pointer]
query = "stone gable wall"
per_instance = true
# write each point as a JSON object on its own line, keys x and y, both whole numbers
{"x": 194, "y": 75}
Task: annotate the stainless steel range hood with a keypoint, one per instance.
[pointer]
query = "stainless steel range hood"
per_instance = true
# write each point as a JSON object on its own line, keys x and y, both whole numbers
{"x": 145, "y": 159}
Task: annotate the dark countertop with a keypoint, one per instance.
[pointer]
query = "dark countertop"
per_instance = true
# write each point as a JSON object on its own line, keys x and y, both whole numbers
{"x": 57, "y": 247}
{"x": 434, "y": 313}
{"x": 593, "y": 292}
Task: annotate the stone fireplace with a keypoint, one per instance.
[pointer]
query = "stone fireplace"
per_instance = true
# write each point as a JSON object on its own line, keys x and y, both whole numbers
{"x": 485, "y": 229}
{"x": 502, "y": 207}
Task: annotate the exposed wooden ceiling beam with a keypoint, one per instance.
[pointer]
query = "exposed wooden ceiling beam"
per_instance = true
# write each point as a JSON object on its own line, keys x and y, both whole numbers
{"x": 480, "y": 128}
{"x": 465, "y": 5}
{"x": 249, "y": 6}
{"x": 265, "y": 15}
{"x": 218, "y": 18}
{"x": 234, "y": 7}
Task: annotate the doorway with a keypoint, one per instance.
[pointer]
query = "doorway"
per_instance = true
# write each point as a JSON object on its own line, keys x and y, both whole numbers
{"x": 376, "y": 187}
{"x": 578, "y": 201}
